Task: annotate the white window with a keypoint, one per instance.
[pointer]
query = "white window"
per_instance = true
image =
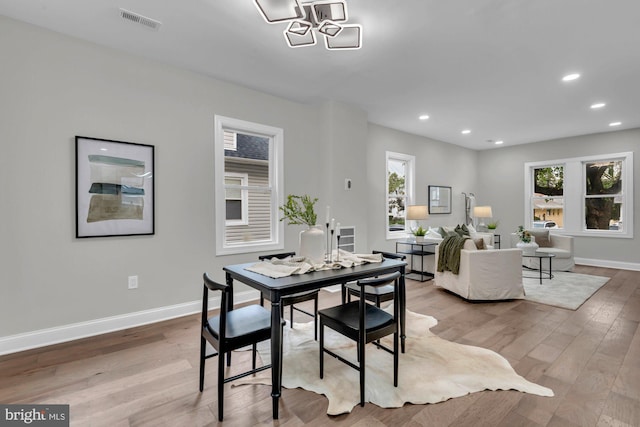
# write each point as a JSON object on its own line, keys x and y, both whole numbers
{"x": 248, "y": 183}
{"x": 236, "y": 198}
{"x": 585, "y": 196}
{"x": 400, "y": 175}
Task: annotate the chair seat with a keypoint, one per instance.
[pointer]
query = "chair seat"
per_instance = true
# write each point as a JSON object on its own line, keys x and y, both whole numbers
{"x": 242, "y": 322}
{"x": 348, "y": 315}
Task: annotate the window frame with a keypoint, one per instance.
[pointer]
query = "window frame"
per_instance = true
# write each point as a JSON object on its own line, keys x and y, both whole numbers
{"x": 574, "y": 192}
{"x": 409, "y": 191}
{"x": 276, "y": 185}
{"x": 244, "y": 197}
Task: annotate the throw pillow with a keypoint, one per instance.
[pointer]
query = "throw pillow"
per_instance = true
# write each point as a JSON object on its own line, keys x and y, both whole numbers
{"x": 448, "y": 231}
{"x": 542, "y": 238}
{"x": 479, "y": 243}
{"x": 465, "y": 230}
{"x": 471, "y": 229}
{"x": 434, "y": 233}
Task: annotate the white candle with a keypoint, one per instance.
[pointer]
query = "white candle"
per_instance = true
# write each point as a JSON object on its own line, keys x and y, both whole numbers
{"x": 338, "y": 229}
{"x": 333, "y": 223}
{"x": 328, "y": 215}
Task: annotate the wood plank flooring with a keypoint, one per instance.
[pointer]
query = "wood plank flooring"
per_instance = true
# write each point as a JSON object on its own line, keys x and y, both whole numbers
{"x": 148, "y": 376}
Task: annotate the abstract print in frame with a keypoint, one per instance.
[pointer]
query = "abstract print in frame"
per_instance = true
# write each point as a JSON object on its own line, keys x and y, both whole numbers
{"x": 114, "y": 188}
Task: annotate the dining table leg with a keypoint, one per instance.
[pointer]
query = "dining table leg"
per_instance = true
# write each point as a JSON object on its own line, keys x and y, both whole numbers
{"x": 403, "y": 309}
{"x": 276, "y": 355}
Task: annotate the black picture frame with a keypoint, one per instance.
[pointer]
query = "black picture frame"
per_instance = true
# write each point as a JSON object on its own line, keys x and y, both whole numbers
{"x": 115, "y": 188}
{"x": 439, "y": 197}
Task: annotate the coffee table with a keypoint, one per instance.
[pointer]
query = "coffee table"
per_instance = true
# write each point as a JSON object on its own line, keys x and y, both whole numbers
{"x": 541, "y": 256}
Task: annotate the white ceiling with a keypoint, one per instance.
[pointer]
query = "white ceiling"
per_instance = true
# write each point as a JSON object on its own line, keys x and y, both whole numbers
{"x": 492, "y": 66}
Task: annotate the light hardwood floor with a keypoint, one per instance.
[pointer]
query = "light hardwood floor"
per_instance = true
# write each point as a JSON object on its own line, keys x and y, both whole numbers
{"x": 148, "y": 376}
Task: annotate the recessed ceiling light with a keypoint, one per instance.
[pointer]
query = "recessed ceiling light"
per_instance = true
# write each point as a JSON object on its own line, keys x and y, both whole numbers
{"x": 598, "y": 105}
{"x": 499, "y": 142}
{"x": 424, "y": 117}
{"x": 570, "y": 77}
{"x": 615, "y": 123}
{"x": 466, "y": 132}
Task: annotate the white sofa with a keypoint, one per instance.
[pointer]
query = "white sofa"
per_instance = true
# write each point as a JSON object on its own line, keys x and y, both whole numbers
{"x": 486, "y": 274}
{"x": 429, "y": 260}
{"x": 557, "y": 244}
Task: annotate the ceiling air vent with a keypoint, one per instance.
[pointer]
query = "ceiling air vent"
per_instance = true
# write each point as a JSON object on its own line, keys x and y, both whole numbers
{"x": 139, "y": 19}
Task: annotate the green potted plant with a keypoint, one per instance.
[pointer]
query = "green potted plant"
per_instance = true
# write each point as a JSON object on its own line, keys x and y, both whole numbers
{"x": 492, "y": 225}
{"x": 299, "y": 210}
{"x": 419, "y": 232}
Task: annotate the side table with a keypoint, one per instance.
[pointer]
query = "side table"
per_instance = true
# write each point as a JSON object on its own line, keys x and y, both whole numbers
{"x": 414, "y": 249}
{"x": 541, "y": 256}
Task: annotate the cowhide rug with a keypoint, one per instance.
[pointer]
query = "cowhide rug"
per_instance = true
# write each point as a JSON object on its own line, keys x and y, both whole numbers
{"x": 432, "y": 369}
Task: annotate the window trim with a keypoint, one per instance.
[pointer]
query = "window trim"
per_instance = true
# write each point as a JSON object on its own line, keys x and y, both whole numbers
{"x": 409, "y": 188}
{"x": 574, "y": 192}
{"x": 244, "y": 198}
{"x": 276, "y": 185}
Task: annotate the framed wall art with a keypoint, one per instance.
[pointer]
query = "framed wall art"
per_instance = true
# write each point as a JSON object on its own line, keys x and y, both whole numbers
{"x": 439, "y": 199}
{"x": 115, "y": 188}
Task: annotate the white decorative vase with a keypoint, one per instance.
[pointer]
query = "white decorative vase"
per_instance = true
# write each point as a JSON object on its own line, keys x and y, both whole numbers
{"x": 419, "y": 239}
{"x": 528, "y": 248}
{"x": 312, "y": 243}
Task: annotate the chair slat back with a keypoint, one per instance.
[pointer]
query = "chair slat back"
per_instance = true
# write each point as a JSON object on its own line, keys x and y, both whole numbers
{"x": 380, "y": 281}
{"x": 390, "y": 255}
{"x": 279, "y": 256}
{"x": 210, "y": 284}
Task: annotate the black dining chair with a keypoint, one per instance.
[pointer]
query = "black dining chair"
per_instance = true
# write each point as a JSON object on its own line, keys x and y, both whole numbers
{"x": 363, "y": 323}
{"x": 230, "y": 330}
{"x": 291, "y": 300}
{"x": 378, "y": 294}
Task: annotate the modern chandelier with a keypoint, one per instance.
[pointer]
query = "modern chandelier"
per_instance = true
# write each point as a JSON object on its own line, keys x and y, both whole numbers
{"x": 305, "y": 19}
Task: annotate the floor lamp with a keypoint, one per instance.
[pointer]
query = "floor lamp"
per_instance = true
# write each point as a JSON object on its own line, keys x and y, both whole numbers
{"x": 482, "y": 212}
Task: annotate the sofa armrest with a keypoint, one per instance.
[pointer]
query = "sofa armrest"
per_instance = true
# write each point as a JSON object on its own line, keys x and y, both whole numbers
{"x": 562, "y": 242}
{"x": 486, "y": 263}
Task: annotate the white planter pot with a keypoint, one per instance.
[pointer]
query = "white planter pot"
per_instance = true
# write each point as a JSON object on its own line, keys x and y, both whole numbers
{"x": 312, "y": 244}
{"x": 419, "y": 239}
{"x": 529, "y": 248}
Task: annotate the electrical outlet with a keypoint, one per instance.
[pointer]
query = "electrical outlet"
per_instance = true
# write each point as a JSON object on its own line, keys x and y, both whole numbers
{"x": 133, "y": 282}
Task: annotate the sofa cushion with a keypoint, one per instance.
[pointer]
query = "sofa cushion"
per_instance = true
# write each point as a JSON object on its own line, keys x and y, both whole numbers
{"x": 542, "y": 238}
{"x": 470, "y": 245}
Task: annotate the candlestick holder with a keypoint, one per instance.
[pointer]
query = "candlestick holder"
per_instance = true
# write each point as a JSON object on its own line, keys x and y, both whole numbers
{"x": 331, "y": 247}
{"x": 327, "y": 252}
{"x": 338, "y": 248}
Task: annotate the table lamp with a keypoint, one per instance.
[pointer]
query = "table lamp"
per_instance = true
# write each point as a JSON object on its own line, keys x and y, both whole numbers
{"x": 482, "y": 212}
{"x": 417, "y": 213}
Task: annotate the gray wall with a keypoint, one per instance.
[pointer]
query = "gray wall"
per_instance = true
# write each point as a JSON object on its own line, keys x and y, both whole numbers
{"x": 55, "y": 87}
{"x": 437, "y": 163}
{"x": 501, "y": 185}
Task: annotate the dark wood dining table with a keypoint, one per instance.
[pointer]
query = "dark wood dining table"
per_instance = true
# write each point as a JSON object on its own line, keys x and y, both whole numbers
{"x": 275, "y": 289}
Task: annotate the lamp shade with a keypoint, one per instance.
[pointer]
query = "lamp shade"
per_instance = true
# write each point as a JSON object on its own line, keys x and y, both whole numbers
{"x": 482, "y": 212}
{"x": 417, "y": 212}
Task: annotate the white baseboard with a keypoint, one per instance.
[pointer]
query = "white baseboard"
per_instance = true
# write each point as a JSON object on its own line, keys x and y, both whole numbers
{"x": 60, "y": 334}
{"x": 608, "y": 264}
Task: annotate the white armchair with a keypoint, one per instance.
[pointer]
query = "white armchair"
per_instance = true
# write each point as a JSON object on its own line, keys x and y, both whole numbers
{"x": 559, "y": 245}
{"x": 491, "y": 274}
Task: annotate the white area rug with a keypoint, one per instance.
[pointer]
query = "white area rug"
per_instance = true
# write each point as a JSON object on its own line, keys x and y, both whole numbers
{"x": 432, "y": 369}
{"x": 565, "y": 290}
